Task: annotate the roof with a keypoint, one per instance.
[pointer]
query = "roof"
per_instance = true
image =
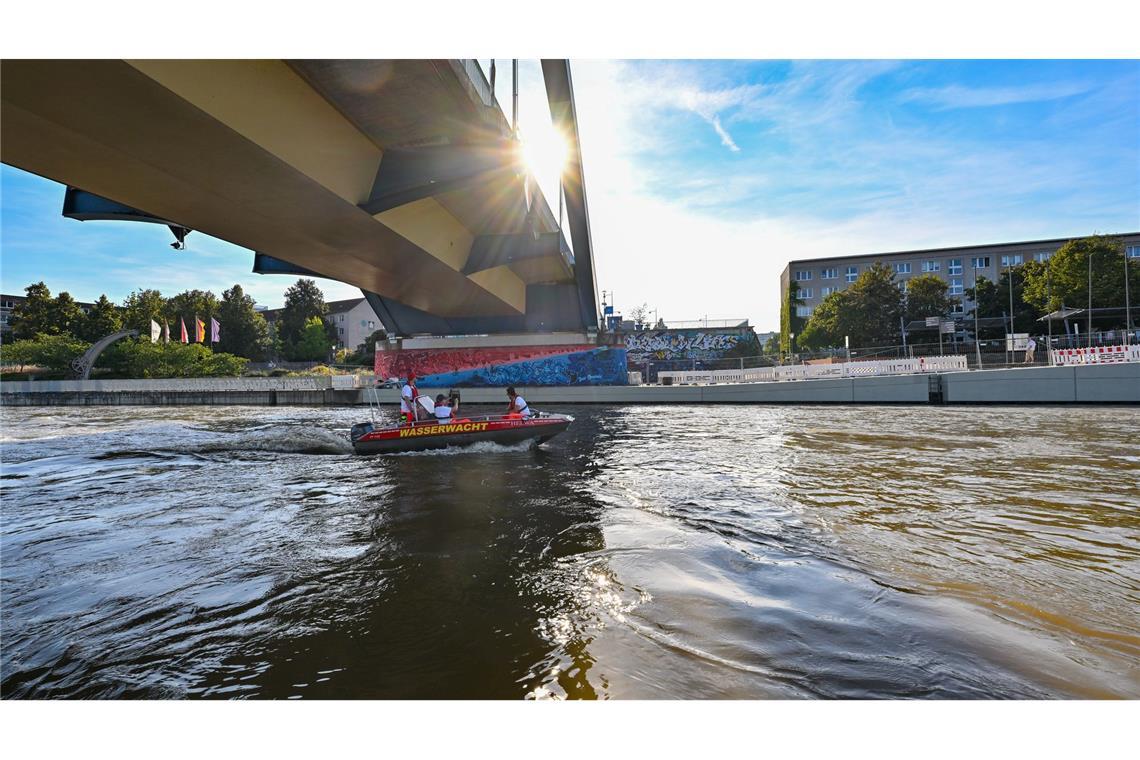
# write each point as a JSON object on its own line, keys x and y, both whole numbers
{"x": 334, "y": 307}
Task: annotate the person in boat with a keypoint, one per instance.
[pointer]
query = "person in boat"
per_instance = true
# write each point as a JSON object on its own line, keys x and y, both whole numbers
{"x": 444, "y": 412}
{"x": 408, "y": 395}
{"x": 517, "y": 407}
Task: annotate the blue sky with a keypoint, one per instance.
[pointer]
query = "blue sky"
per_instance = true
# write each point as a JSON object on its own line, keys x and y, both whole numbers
{"x": 706, "y": 177}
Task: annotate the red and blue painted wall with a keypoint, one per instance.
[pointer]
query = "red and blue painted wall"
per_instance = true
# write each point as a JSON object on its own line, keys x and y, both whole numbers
{"x": 503, "y": 366}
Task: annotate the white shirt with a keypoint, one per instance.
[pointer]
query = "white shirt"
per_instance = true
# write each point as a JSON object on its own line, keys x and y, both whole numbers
{"x": 520, "y": 405}
{"x": 443, "y": 414}
{"x": 406, "y": 399}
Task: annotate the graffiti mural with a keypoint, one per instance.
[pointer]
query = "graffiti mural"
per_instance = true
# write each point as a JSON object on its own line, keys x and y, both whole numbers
{"x": 434, "y": 361}
{"x": 683, "y": 344}
{"x": 595, "y": 366}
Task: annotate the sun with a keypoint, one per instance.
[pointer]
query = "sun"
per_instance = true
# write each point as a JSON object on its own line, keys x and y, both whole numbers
{"x": 544, "y": 152}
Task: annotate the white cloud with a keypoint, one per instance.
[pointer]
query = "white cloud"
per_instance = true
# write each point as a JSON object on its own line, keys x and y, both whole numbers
{"x": 957, "y": 96}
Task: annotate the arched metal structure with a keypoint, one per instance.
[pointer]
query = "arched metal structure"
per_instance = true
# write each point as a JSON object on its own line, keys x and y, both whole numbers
{"x": 81, "y": 367}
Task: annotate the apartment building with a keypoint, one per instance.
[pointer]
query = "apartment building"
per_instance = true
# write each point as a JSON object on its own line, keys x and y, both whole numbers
{"x": 354, "y": 320}
{"x": 818, "y": 278}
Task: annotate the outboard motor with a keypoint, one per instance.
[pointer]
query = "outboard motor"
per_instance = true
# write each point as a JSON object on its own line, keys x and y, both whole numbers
{"x": 360, "y": 429}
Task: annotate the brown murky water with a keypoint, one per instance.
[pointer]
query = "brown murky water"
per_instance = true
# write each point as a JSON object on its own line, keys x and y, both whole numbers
{"x": 650, "y": 552}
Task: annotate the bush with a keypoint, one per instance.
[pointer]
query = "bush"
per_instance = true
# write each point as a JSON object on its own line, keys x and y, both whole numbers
{"x": 141, "y": 358}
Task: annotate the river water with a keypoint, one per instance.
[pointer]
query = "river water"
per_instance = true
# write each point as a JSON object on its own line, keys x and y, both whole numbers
{"x": 649, "y": 552}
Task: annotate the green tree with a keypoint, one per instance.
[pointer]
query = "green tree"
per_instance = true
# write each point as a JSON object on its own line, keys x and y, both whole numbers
{"x": 993, "y": 301}
{"x": 772, "y": 347}
{"x": 303, "y": 301}
{"x": 314, "y": 343}
{"x": 35, "y": 315}
{"x": 66, "y": 315}
{"x": 790, "y": 324}
{"x": 191, "y": 304}
{"x": 926, "y": 296}
{"x": 1064, "y": 280}
{"x": 828, "y": 322}
{"x": 244, "y": 332}
{"x": 54, "y": 352}
{"x": 140, "y": 307}
{"x": 101, "y": 321}
{"x": 874, "y": 308}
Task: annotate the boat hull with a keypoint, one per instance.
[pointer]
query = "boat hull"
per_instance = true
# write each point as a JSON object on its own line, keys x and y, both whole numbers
{"x": 428, "y": 436}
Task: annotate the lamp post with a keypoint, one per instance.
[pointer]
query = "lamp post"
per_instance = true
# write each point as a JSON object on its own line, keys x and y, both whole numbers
{"x": 1088, "y": 338}
{"x": 1127, "y": 304}
{"x": 1009, "y": 283}
{"x": 977, "y": 345}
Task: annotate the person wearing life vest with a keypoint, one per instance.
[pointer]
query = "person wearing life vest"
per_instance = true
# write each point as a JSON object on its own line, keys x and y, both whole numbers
{"x": 517, "y": 409}
{"x": 408, "y": 395}
{"x": 443, "y": 410}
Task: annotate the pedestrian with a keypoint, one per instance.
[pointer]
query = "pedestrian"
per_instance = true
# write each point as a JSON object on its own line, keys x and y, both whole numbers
{"x": 1030, "y": 347}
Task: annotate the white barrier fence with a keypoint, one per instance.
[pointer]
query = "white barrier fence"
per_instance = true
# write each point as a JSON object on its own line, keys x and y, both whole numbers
{"x": 817, "y": 371}
{"x": 1096, "y": 355}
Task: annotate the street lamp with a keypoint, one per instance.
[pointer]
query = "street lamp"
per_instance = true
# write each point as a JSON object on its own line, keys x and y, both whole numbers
{"x": 977, "y": 345}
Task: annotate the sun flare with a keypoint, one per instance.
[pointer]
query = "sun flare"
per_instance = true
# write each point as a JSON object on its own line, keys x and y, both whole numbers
{"x": 544, "y": 153}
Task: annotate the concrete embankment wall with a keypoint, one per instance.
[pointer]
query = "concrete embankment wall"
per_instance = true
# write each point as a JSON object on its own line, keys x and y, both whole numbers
{"x": 254, "y": 391}
{"x": 1084, "y": 384}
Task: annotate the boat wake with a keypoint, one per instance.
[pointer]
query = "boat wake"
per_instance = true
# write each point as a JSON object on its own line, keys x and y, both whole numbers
{"x": 287, "y": 440}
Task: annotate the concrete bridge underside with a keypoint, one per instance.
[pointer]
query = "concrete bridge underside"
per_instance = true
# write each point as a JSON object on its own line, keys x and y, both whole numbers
{"x": 399, "y": 177}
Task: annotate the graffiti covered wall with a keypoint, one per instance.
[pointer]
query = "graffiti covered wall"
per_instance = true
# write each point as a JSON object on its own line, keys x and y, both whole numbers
{"x": 434, "y": 361}
{"x": 660, "y": 345}
{"x": 595, "y": 366}
{"x": 502, "y": 366}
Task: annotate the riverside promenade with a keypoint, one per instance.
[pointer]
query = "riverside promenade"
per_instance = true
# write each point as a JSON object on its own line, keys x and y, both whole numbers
{"x": 1077, "y": 384}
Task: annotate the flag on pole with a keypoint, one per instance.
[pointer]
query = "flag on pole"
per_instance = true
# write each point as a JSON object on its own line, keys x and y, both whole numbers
{"x": 199, "y": 330}
{"x": 185, "y": 337}
{"x": 155, "y": 331}
{"x": 165, "y": 332}
{"x": 215, "y": 330}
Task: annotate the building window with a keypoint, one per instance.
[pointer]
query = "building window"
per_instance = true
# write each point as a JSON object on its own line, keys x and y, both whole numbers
{"x": 902, "y": 286}
{"x": 803, "y": 276}
{"x": 1133, "y": 251}
{"x": 371, "y": 323}
{"x": 1012, "y": 261}
{"x": 825, "y": 292}
{"x": 931, "y": 266}
{"x": 340, "y": 330}
{"x": 903, "y": 267}
{"x": 956, "y": 285}
{"x": 957, "y": 308}
{"x": 980, "y": 262}
{"x": 852, "y": 274}
{"x": 954, "y": 266}
{"x": 1043, "y": 256}
{"x": 829, "y": 274}
{"x": 806, "y": 293}
{"x": 803, "y": 311}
